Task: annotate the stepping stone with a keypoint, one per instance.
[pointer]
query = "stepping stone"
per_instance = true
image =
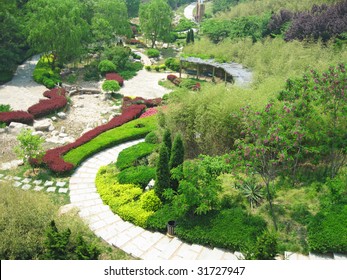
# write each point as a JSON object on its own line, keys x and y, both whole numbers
{"x": 26, "y": 187}
{"x": 8, "y": 177}
{"x": 17, "y": 178}
{"x": 37, "y": 182}
{"x": 26, "y": 181}
{"x": 63, "y": 190}
{"x": 60, "y": 184}
{"x": 48, "y": 184}
{"x": 1, "y": 175}
{"x": 37, "y": 188}
{"x": 51, "y": 189}
{"x": 17, "y": 184}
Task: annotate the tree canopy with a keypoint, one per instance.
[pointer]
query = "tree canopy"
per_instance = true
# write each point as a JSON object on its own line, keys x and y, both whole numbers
{"x": 155, "y": 20}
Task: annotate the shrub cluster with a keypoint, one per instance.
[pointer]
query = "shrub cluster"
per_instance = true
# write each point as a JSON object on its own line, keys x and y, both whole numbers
{"x": 128, "y": 101}
{"x": 115, "y": 77}
{"x": 149, "y": 112}
{"x": 132, "y": 155}
{"x": 53, "y": 158}
{"x": 153, "y": 53}
{"x": 173, "y": 64}
{"x": 137, "y": 175}
{"x": 16, "y": 116}
{"x": 44, "y": 74}
{"x": 327, "y": 231}
{"x": 56, "y": 100}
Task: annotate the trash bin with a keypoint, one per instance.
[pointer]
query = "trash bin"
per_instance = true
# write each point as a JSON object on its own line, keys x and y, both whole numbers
{"x": 171, "y": 228}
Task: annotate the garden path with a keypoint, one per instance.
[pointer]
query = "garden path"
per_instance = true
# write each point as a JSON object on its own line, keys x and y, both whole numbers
{"x": 132, "y": 239}
{"x": 135, "y": 240}
{"x": 22, "y": 91}
{"x": 189, "y": 11}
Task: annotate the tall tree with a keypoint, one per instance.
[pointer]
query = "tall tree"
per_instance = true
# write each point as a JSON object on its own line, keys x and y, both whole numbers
{"x": 167, "y": 141}
{"x": 177, "y": 153}
{"x": 155, "y": 20}
{"x": 57, "y": 26}
{"x": 111, "y": 19}
{"x": 162, "y": 173}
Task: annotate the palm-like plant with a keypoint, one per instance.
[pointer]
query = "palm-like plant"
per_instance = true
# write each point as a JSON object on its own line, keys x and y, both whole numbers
{"x": 252, "y": 191}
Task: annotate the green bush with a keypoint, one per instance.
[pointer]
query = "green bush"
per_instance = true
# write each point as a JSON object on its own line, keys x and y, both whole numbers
{"x": 91, "y": 72}
{"x": 150, "y": 201}
{"x": 110, "y": 86}
{"x": 5, "y": 108}
{"x": 230, "y": 229}
{"x": 123, "y": 199}
{"x": 173, "y": 64}
{"x": 130, "y": 70}
{"x": 132, "y": 155}
{"x": 327, "y": 232}
{"x": 153, "y": 53}
{"x": 265, "y": 248}
{"x": 126, "y": 132}
{"x": 107, "y": 66}
{"x": 159, "y": 219}
{"x": 188, "y": 83}
{"x": 138, "y": 175}
{"x": 46, "y": 74}
{"x": 148, "y": 68}
{"x": 152, "y": 138}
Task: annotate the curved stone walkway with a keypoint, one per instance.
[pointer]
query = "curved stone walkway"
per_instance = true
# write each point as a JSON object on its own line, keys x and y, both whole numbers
{"x": 132, "y": 239}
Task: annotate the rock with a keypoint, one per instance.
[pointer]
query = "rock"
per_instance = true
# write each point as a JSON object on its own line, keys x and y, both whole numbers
{"x": 103, "y": 121}
{"x": 38, "y": 133}
{"x": 110, "y": 118}
{"x": 62, "y": 129}
{"x": 150, "y": 185}
{"x": 62, "y": 135}
{"x": 11, "y": 164}
{"x": 54, "y": 118}
{"x": 42, "y": 125}
{"x": 51, "y": 128}
{"x": 80, "y": 97}
{"x": 15, "y": 128}
{"x": 3, "y": 130}
{"x": 55, "y": 133}
{"x": 61, "y": 115}
{"x": 116, "y": 108}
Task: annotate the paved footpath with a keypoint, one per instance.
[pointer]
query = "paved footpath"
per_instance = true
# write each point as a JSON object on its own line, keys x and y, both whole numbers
{"x": 132, "y": 239}
{"x": 135, "y": 240}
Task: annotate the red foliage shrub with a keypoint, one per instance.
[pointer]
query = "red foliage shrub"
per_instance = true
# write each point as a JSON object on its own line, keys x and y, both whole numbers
{"x": 53, "y": 158}
{"x": 149, "y": 112}
{"x": 56, "y": 101}
{"x": 127, "y": 101}
{"x": 16, "y": 116}
{"x": 171, "y": 77}
{"x": 115, "y": 77}
{"x": 197, "y": 87}
{"x": 176, "y": 82}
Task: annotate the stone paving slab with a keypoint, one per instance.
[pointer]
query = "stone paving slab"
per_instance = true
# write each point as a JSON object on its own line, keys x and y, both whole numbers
{"x": 51, "y": 189}
{"x": 17, "y": 184}
{"x": 26, "y": 180}
{"x": 17, "y": 178}
{"x": 63, "y": 190}
{"x": 37, "y": 182}
{"x": 60, "y": 184}
{"x": 26, "y": 187}
{"x": 37, "y": 188}
{"x": 48, "y": 183}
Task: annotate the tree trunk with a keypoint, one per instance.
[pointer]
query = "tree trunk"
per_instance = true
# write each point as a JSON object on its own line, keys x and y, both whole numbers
{"x": 272, "y": 213}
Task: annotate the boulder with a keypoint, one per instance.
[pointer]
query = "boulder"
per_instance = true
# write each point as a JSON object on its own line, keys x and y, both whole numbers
{"x": 61, "y": 115}
{"x": 42, "y": 125}
{"x": 38, "y": 133}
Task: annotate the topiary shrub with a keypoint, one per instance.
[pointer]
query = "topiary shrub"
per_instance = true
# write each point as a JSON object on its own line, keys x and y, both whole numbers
{"x": 149, "y": 201}
{"x": 138, "y": 175}
{"x": 110, "y": 86}
{"x": 115, "y": 77}
{"x": 131, "y": 156}
{"x": 153, "y": 53}
{"x": 106, "y": 66}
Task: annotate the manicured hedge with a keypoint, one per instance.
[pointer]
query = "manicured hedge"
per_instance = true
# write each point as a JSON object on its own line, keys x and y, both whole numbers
{"x": 130, "y": 156}
{"x": 130, "y": 131}
{"x": 115, "y": 77}
{"x": 149, "y": 112}
{"x": 56, "y": 101}
{"x": 16, "y": 116}
{"x": 123, "y": 199}
{"x": 327, "y": 232}
{"x": 138, "y": 175}
{"x": 53, "y": 158}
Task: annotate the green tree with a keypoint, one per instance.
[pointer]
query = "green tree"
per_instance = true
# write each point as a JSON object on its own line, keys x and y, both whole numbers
{"x": 30, "y": 146}
{"x": 162, "y": 172}
{"x": 155, "y": 20}
{"x": 110, "y": 86}
{"x": 188, "y": 37}
{"x": 113, "y": 15}
{"x": 177, "y": 153}
{"x": 192, "y": 35}
{"x": 167, "y": 141}
{"x": 57, "y": 27}
{"x": 133, "y": 7}
{"x": 56, "y": 244}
